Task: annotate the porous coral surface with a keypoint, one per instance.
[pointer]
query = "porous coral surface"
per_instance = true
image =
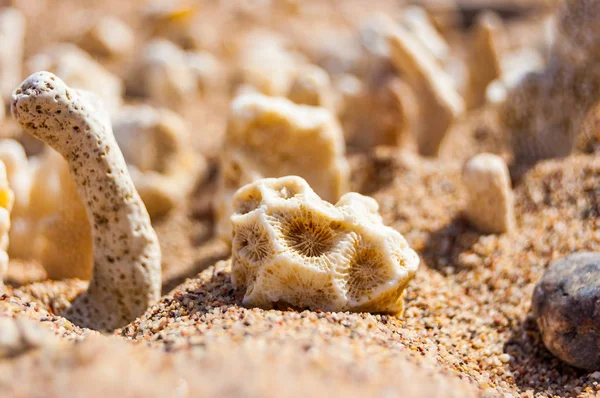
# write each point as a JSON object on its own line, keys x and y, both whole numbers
{"x": 291, "y": 246}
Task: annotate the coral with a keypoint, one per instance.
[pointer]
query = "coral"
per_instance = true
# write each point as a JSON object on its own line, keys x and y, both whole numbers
{"x": 108, "y": 37}
{"x": 484, "y": 58}
{"x": 273, "y": 137}
{"x": 312, "y": 86}
{"x": 63, "y": 239}
{"x": 126, "y": 276}
{"x": 157, "y": 148}
{"x": 490, "y": 205}
{"x": 12, "y": 37}
{"x": 6, "y": 203}
{"x": 169, "y": 76}
{"x": 80, "y": 71}
{"x": 291, "y": 247}
{"x": 265, "y": 63}
{"x": 434, "y": 87}
{"x": 49, "y": 223}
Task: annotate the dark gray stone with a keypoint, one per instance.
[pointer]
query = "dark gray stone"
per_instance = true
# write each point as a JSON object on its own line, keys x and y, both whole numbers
{"x": 566, "y": 305}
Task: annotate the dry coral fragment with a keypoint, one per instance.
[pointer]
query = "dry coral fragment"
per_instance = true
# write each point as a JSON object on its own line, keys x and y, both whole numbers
{"x": 490, "y": 205}
{"x": 163, "y": 74}
{"x": 172, "y": 20}
{"x": 207, "y": 70}
{"x": 108, "y": 37}
{"x": 6, "y": 203}
{"x": 312, "y": 86}
{"x": 156, "y": 144}
{"x": 291, "y": 247}
{"x": 371, "y": 89}
{"x": 417, "y": 22}
{"x": 63, "y": 240}
{"x": 80, "y": 71}
{"x": 13, "y": 155}
{"x": 266, "y": 64}
{"x": 169, "y": 76}
{"x": 440, "y": 103}
{"x": 273, "y": 137}
{"x": 126, "y": 276}
{"x": 49, "y": 223}
{"x": 12, "y": 37}
{"x": 485, "y": 58}
{"x": 35, "y": 183}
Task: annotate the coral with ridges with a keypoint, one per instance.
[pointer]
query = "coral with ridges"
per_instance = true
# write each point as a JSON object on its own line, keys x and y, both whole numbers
{"x": 291, "y": 247}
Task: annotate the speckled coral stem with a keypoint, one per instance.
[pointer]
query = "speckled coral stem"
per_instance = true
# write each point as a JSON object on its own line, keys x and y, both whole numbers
{"x": 126, "y": 278}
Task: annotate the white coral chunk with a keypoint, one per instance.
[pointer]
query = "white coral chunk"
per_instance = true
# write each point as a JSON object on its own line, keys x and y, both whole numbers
{"x": 291, "y": 247}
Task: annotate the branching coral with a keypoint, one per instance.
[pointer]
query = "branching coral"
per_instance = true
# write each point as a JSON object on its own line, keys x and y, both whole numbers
{"x": 126, "y": 277}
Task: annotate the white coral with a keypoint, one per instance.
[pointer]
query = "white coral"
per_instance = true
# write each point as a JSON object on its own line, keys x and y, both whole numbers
{"x": 291, "y": 247}
{"x": 6, "y": 204}
{"x": 156, "y": 144}
{"x": 126, "y": 275}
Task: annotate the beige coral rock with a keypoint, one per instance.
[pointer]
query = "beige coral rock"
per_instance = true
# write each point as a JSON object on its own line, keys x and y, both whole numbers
{"x": 48, "y": 222}
{"x": 291, "y": 247}
{"x": 6, "y": 203}
{"x": 273, "y": 137}
{"x": 490, "y": 205}
{"x": 108, "y": 37}
{"x": 174, "y": 21}
{"x": 415, "y": 19}
{"x": 126, "y": 277}
{"x": 13, "y": 155}
{"x": 163, "y": 75}
{"x": 266, "y": 63}
{"x": 156, "y": 144}
{"x": 36, "y": 184}
{"x": 64, "y": 242}
{"x": 312, "y": 86}
{"x": 485, "y": 64}
{"x": 440, "y": 102}
{"x": 80, "y": 71}
{"x": 207, "y": 70}
{"x": 12, "y": 38}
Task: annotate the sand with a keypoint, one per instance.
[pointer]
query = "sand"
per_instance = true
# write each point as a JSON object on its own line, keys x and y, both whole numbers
{"x": 467, "y": 329}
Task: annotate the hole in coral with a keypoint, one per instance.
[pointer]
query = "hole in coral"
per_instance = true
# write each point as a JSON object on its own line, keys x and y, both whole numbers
{"x": 367, "y": 272}
{"x": 308, "y": 234}
{"x": 252, "y": 243}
